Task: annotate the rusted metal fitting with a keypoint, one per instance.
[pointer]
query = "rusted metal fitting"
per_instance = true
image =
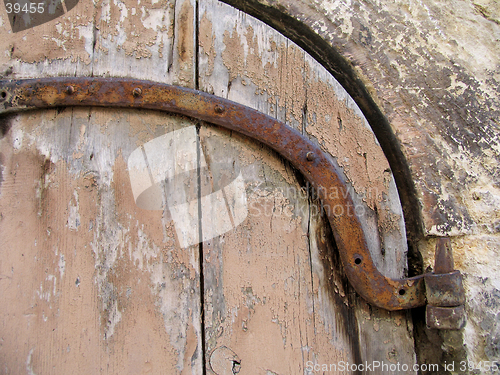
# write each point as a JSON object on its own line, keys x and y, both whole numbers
{"x": 219, "y": 108}
{"x": 444, "y": 291}
{"x": 136, "y": 92}
{"x": 70, "y": 89}
{"x": 451, "y": 318}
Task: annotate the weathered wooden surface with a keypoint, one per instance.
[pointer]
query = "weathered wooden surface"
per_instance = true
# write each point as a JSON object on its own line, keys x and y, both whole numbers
{"x": 427, "y": 75}
{"x": 95, "y": 284}
{"x": 257, "y": 278}
{"x": 284, "y": 240}
{"x": 91, "y": 279}
{"x": 256, "y": 66}
{"x": 422, "y": 78}
{"x": 98, "y": 282}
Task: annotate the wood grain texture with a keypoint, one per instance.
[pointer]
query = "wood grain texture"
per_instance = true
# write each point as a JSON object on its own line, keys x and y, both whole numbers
{"x": 259, "y": 280}
{"x": 96, "y": 284}
{"x": 243, "y": 60}
{"x": 91, "y": 275}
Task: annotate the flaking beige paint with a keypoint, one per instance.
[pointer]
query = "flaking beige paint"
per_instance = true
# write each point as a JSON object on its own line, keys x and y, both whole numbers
{"x": 153, "y": 37}
{"x": 109, "y": 279}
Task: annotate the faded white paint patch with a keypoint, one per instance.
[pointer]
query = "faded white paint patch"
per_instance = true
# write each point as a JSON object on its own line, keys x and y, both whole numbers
{"x": 143, "y": 250}
{"x": 62, "y": 265}
{"x": 123, "y": 10}
{"x": 73, "y": 213}
{"x": 29, "y": 365}
{"x": 87, "y": 33}
{"x": 17, "y": 136}
{"x": 114, "y": 318}
{"x": 156, "y": 19}
{"x": 54, "y": 281}
{"x": 46, "y": 294}
{"x": 172, "y": 304}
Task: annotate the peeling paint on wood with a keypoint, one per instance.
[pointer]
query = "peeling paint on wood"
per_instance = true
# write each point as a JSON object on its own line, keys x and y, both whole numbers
{"x": 258, "y": 280}
{"x": 244, "y": 61}
{"x": 436, "y": 90}
{"x": 432, "y": 81}
{"x": 279, "y": 79}
{"x": 87, "y": 271}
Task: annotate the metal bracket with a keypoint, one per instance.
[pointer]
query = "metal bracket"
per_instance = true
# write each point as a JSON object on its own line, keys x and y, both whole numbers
{"x": 313, "y": 163}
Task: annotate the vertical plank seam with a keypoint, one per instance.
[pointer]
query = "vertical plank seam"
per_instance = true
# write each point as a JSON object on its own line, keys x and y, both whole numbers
{"x": 197, "y": 45}
{"x": 200, "y": 247}
{"x": 147, "y": 165}
{"x": 200, "y": 222}
{"x": 172, "y": 44}
{"x": 94, "y": 41}
{"x": 309, "y": 247}
{"x": 304, "y": 107}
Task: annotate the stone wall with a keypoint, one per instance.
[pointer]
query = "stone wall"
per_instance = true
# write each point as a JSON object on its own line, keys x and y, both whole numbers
{"x": 429, "y": 71}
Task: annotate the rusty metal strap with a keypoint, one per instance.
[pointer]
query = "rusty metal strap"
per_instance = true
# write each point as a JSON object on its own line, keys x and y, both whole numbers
{"x": 315, "y": 165}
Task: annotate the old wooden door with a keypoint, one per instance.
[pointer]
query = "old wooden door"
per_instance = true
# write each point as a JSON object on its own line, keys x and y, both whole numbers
{"x": 214, "y": 258}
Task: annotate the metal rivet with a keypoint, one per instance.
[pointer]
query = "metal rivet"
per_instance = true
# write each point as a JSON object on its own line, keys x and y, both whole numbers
{"x": 137, "y": 92}
{"x": 70, "y": 90}
{"x": 219, "y": 108}
{"x": 310, "y": 156}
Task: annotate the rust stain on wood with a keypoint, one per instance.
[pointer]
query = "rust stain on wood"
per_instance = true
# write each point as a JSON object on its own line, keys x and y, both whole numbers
{"x": 207, "y": 40}
{"x": 185, "y": 40}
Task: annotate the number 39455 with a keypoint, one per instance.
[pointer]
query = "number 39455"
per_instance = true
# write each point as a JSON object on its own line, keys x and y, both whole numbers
{"x": 26, "y": 8}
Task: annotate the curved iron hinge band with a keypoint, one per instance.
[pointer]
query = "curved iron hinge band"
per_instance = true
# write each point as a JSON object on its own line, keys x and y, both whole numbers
{"x": 313, "y": 163}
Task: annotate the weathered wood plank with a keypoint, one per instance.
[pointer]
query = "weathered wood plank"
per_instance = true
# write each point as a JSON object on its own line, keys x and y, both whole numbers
{"x": 153, "y": 42}
{"x": 259, "y": 298}
{"x": 63, "y": 46}
{"x": 95, "y": 284}
{"x": 92, "y": 275}
{"x": 334, "y": 121}
{"x": 244, "y": 60}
